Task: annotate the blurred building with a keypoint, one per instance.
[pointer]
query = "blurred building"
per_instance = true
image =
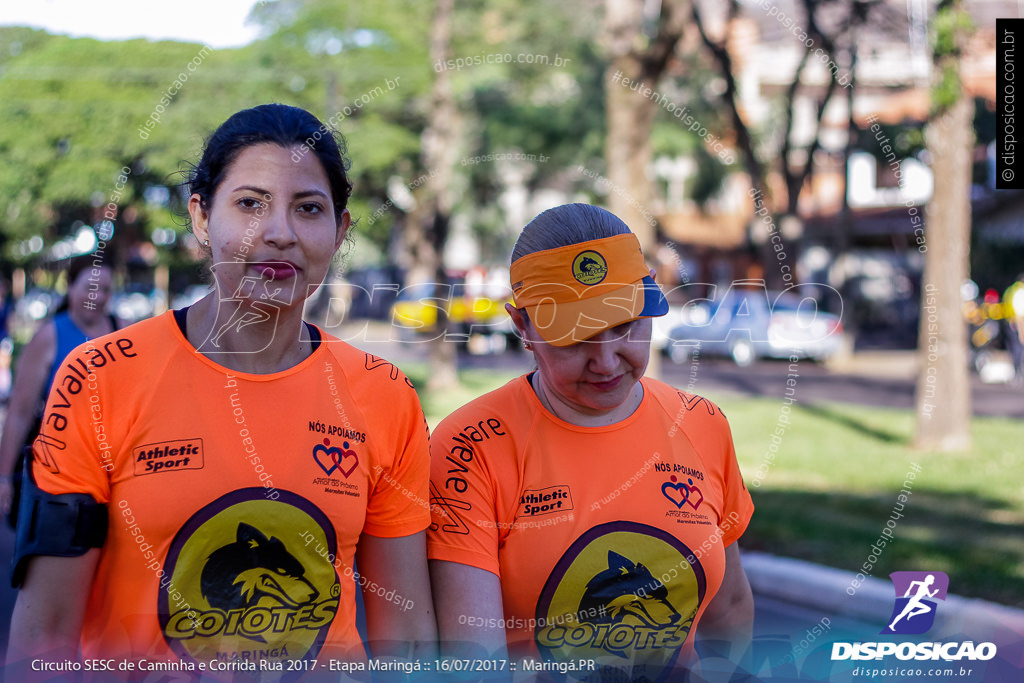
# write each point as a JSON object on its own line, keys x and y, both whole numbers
{"x": 860, "y": 224}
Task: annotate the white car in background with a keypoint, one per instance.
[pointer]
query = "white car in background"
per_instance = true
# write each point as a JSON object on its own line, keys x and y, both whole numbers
{"x": 747, "y": 324}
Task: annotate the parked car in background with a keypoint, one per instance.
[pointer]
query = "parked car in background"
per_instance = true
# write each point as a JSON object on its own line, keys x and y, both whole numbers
{"x": 471, "y": 318}
{"x": 663, "y": 325}
{"x": 750, "y": 323}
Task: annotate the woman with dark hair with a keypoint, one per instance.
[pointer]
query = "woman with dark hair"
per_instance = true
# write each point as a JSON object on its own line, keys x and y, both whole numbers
{"x": 583, "y": 512}
{"x": 81, "y": 315}
{"x": 227, "y": 463}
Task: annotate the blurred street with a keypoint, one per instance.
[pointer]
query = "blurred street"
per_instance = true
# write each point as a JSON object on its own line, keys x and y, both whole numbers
{"x": 877, "y": 378}
{"x": 884, "y": 378}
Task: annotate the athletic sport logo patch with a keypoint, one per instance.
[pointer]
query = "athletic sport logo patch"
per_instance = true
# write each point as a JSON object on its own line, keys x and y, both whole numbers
{"x": 168, "y": 456}
{"x": 545, "y": 501}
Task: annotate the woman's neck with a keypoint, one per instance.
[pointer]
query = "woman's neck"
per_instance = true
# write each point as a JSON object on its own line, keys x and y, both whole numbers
{"x": 250, "y": 337}
{"x": 569, "y": 413}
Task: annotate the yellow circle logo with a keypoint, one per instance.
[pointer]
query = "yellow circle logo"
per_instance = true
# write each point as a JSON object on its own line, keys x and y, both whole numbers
{"x": 589, "y": 267}
{"x": 624, "y": 594}
{"x": 242, "y": 581}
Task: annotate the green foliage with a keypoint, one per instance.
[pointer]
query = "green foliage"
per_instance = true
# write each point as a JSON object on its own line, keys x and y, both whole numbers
{"x": 950, "y": 26}
{"x": 669, "y": 138}
{"x": 78, "y": 110}
{"x": 907, "y": 140}
{"x": 949, "y": 23}
{"x": 710, "y": 176}
{"x": 533, "y": 85}
{"x": 364, "y": 69}
{"x": 71, "y": 108}
{"x": 947, "y": 91}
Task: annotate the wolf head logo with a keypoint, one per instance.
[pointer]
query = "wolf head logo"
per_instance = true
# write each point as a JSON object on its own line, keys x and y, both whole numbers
{"x": 589, "y": 265}
{"x": 254, "y": 571}
{"x": 627, "y": 593}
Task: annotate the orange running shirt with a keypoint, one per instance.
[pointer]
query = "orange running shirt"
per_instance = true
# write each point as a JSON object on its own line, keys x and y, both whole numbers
{"x": 235, "y": 500}
{"x": 609, "y": 541}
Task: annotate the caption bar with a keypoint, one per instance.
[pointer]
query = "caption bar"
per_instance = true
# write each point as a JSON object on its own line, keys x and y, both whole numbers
{"x": 1008, "y": 163}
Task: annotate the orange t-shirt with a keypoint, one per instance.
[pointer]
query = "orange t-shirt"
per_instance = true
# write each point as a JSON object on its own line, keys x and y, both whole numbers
{"x": 235, "y": 500}
{"x": 609, "y": 541}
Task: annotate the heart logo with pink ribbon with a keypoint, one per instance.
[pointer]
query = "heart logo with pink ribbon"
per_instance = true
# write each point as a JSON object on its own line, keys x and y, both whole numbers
{"x": 331, "y": 458}
{"x": 682, "y": 494}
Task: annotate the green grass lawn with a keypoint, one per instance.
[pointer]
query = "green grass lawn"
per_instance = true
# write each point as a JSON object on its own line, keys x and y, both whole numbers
{"x": 832, "y": 486}
{"x": 438, "y": 406}
{"x": 835, "y": 481}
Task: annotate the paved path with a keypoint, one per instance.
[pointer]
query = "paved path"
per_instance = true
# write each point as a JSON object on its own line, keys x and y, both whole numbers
{"x": 873, "y": 378}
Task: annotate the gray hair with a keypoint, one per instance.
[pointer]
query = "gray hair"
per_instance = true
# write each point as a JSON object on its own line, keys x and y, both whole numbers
{"x": 564, "y": 225}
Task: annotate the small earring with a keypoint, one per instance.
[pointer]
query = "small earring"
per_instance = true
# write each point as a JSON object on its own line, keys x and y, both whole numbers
{"x": 206, "y": 243}
{"x": 527, "y": 345}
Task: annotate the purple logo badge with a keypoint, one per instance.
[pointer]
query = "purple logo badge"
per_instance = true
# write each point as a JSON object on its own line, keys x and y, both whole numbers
{"x": 916, "y": 595}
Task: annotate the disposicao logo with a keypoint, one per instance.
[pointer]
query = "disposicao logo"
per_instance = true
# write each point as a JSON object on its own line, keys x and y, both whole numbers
{"x": 913, "y": 614}
{"x": 916, "y": 595}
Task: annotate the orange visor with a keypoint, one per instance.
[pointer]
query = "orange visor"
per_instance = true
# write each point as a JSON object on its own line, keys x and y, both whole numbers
{"x": 575, "y": 292}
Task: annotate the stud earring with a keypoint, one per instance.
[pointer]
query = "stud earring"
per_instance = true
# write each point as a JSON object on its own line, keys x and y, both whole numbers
{"x": 206, "y": 243}
{"x": 528, "y": 346}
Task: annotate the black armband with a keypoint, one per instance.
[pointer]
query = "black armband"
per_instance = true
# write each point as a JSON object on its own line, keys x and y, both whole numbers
{"x": 61, "y": 525}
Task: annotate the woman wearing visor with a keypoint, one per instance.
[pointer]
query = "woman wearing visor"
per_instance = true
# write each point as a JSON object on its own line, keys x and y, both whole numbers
{"x": 584, "y": 515}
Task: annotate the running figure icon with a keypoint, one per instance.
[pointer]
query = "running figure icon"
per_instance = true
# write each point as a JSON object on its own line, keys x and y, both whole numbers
{"x": 915, "y": 606}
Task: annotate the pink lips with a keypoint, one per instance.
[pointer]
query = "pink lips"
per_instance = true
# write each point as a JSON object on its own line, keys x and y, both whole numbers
{"x": 607, "y": 386}
{"x": 276, "y": 270}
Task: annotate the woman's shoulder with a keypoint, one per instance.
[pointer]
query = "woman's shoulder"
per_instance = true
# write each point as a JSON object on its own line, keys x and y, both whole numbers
{"x": 45, "y": 334}
{"x": 140, "y": 341}
{"x": 364, "y": 370}
{"x": 161, "y": 329}
{"x": 678, "y": 402}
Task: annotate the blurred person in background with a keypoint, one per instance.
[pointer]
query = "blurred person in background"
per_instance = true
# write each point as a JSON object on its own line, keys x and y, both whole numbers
{"x": 1013, "y": 313}
{"x": 584, "y": 511}
{"x": 82, "y": 315}
{"x": 6, "y": 343}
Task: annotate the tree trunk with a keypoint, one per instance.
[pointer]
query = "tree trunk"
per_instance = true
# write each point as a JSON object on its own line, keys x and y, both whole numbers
{"x": 631, "y": 102}
{"x": 631, "y": 82}
{"x": 440, "y": 150}
{"x": 628, "y": 150}
{"x": 943, "y": 385}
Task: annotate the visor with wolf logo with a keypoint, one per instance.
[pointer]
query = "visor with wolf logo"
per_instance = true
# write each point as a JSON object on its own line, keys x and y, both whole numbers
{"x": 575, "y": 292}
